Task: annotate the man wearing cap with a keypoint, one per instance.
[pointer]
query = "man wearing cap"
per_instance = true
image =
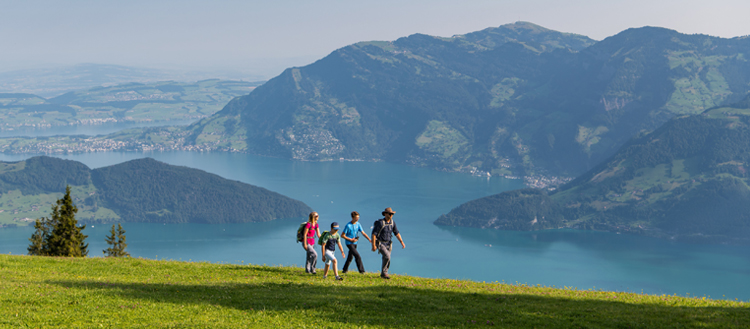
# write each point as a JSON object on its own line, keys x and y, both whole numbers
{"x": 330, "y": 240}
{"x": 382, "y": 235}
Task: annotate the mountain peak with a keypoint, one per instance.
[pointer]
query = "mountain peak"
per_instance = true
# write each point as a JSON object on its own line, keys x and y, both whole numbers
{"x": 522, "y": 25}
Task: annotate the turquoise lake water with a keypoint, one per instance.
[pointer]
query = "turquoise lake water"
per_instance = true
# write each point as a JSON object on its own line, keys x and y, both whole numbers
{"x": 582, "y": 259}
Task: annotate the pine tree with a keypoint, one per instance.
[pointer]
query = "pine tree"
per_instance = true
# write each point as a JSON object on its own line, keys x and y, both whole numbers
{"x": 39, "y": 245}
{"x": 116, "y": 240}
{"x": 59, "y": 235}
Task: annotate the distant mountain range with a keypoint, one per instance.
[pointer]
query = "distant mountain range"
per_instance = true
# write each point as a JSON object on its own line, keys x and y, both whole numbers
{"x": 516, "y": 100}
{"x": 688, "y": 180}
{"x": 142, "y": 190}
{"x": 654, "y": 124}
{"x": 132, "y": 102}
{"x": 57, "y": 80}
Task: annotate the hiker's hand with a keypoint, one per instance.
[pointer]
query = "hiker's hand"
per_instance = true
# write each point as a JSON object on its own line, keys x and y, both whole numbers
{"x": 342, "y": 255}
{"x": 324, "y": 258}
{"x": 403, "y": 246}
{"x": 373, "y": 248}
{"x": 304, "y": 247}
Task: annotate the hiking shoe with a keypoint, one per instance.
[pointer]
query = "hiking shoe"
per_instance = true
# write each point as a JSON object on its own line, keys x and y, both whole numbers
{"x": 385, "y": 277}
{"x": 313, "y": 273}
{"x": 325, "y": 276}
{"x": 344, "y": 272}
{"x": 339, "y": 278}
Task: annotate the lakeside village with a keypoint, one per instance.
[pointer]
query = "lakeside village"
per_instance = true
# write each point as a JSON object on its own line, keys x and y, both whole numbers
{"x": 175, "y": 141}
{"x": 89, "y": 122}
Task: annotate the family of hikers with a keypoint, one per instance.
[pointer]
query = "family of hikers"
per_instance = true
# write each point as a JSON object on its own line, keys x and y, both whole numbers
{"x": 382, "y": 235}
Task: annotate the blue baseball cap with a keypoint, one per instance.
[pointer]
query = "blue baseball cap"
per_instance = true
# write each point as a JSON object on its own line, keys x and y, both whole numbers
{"x": 335, "y": 225}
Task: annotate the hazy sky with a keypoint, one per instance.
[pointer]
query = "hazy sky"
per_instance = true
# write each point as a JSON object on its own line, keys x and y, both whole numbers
{"x": 252, "y": 34}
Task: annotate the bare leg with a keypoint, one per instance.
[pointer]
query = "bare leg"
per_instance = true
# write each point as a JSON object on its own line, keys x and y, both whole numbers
{"x": 325, "y": 272}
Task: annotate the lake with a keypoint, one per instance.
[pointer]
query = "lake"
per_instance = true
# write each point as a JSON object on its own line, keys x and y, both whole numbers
{"x": 562, "y": 258}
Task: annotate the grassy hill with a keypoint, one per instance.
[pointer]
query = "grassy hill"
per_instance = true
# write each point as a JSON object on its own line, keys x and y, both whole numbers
{"x": 687, "y": 180}
{"x": 130, "y": 102}
{"x": 142, "y": 190}
{"x": 99, "y": 292}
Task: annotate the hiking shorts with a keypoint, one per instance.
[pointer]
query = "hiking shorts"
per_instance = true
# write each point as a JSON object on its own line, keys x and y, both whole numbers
{"x": 329, "y": 257}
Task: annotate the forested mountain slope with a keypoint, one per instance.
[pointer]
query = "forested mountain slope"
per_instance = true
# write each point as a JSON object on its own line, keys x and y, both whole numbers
{"x": 517, "y": 99}
{"x": 687, "y": 180}
{"x": 142, "y": 190}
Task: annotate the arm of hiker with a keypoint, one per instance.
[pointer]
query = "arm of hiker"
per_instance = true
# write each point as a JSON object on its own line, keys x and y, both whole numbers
{"x": 398, "y": 235}
{"x": 317, "y": 230}
{"x": 363, "y": 233}
{"x": 343, "y": 235}
{"x": 342, "y": 250}
{"x": 304, "y": 238}
{"x": 323, "y": 251}
{"x": 375, "y": 228}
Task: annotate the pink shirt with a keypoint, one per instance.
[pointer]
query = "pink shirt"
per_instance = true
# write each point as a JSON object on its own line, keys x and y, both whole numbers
{"x": 311, "y": 229}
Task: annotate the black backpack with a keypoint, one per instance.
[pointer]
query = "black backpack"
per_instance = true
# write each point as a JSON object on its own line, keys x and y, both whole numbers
{"x": 301, "y": 232}
{"x": 382, "y": 221}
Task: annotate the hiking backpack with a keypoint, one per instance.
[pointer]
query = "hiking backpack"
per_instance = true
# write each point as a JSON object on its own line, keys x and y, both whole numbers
{"x": 324, "y": 238}
{"x": 382, "y": 226}
{"x": 301, "y": 232}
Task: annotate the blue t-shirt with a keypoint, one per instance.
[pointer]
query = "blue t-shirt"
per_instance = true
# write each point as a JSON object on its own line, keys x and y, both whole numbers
{"x": 351, "y": 231}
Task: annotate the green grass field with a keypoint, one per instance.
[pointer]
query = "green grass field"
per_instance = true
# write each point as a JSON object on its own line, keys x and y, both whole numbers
{"x": 115, "y": 293}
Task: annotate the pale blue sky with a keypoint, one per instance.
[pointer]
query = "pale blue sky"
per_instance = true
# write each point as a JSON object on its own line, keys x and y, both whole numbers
{"x": 250, "y": 34}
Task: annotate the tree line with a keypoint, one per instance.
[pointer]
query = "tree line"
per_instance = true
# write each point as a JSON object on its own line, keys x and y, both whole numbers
{"x": 60, "y": 235}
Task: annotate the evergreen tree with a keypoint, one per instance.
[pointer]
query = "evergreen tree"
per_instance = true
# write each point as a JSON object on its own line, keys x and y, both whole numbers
{"x": 39, "y": 245}
{"x": 59, "y": 235}
{"x": 116, "y": 240}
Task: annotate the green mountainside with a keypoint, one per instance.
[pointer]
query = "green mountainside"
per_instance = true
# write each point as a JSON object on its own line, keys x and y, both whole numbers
{"x": 687, "y": 180}
{"x": 142, "y": 190}
{"x": 131, "y": 102}
{"x": 514, "y": 100}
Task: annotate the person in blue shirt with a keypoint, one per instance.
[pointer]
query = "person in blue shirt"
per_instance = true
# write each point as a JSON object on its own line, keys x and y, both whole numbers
{"x": 351, "y": 235}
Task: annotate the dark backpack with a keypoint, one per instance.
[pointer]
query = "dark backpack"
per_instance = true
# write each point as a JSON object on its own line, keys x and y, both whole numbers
{"x": 301, "y": 232}
{"x": 382, "y": 226}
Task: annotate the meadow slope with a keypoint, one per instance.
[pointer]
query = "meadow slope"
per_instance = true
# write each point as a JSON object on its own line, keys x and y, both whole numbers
{"x": 98, "y": 292}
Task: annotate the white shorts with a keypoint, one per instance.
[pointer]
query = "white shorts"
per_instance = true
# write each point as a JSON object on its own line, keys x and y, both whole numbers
{"x": 329, "y": 257}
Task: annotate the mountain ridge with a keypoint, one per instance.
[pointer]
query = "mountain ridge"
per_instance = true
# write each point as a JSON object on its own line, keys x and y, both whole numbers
{"x": 687, "y": 180}
{"x": 141, "y": 190}
{"x": 543, "y": 103}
